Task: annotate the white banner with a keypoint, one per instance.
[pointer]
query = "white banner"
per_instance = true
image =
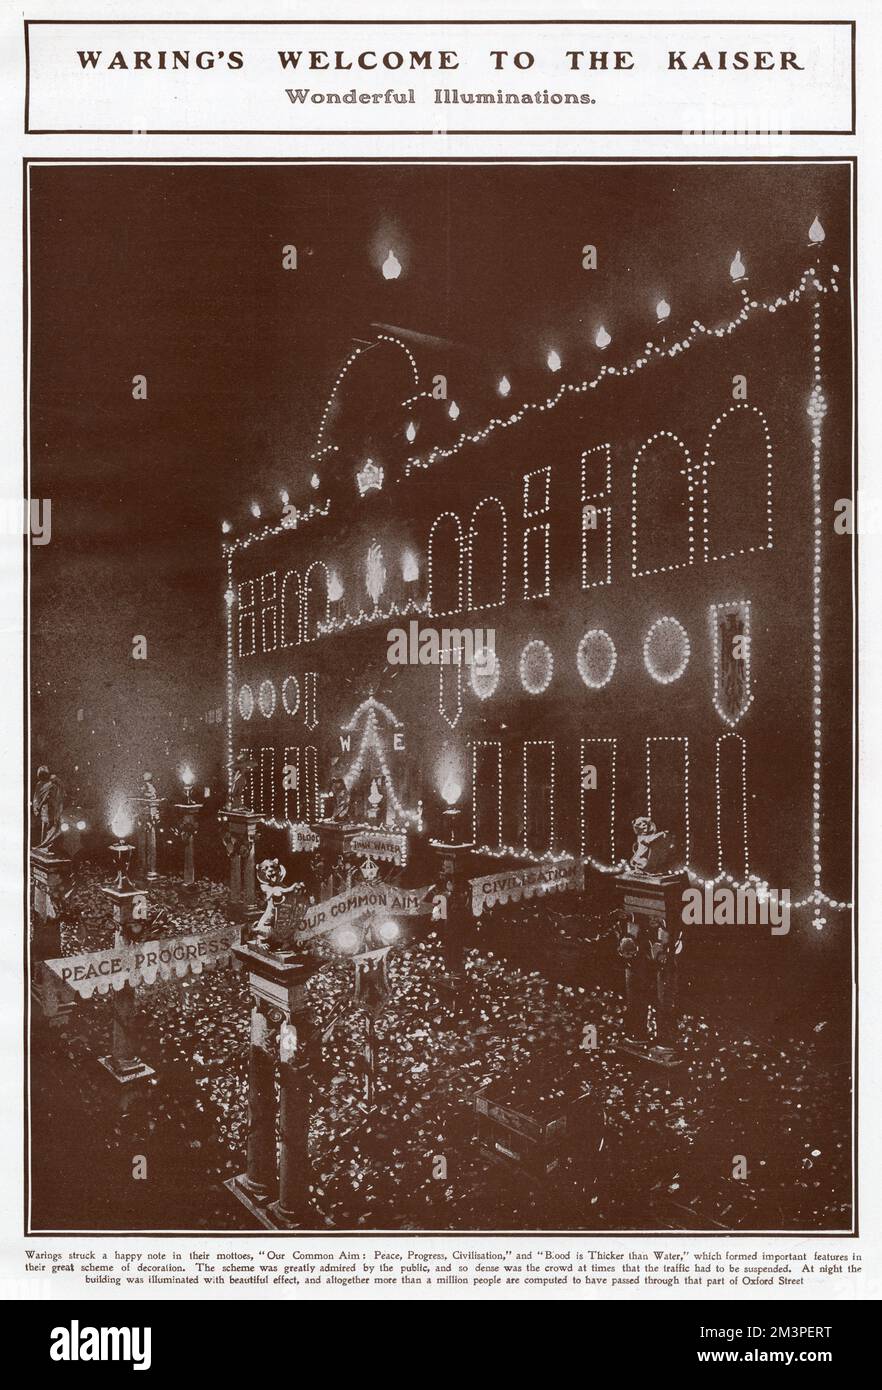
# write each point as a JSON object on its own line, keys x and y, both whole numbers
{"x": 514, "y": 884}
{"x": 347, "y": 907}
{"x": 380, "y": 845}
{"x": 144, "y": 962}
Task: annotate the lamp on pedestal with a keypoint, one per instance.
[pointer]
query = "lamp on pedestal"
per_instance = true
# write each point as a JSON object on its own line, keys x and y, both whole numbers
{"x": 188, "y": 810}
{"x": 128, "y": 904}
{"x": 453, "y": 888}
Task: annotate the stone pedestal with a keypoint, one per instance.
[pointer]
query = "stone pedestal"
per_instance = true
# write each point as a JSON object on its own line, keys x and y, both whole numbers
{"x": 650, "y": 940}
{"x": 146, "y": 810}
{"x": 123, "y": 1062}
{"x": 453, "y": 862}
{"x": 123, "y": 898}
{"x": 189, "y": 816}
{"x": 242, "y": 827}
{"x": 274, "y": 1186}
{"x": 49, "y": 872}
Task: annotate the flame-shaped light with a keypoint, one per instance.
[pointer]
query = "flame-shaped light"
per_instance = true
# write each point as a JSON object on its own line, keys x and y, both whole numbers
{"x": 816, "y": 233}
{"x": 391, "y": 267}
{"x": 410, "y": 432}
{"x": 335, "y": 587}
{"x": 188, "y": 777}
{"x": 663, "y": 310}
{"x": 553, "y": 360}
{"x": 504, "y": 386}
{"x": 410, "y": 567}
{"x": 453, "y": 410}
{"x": 121, "y": 824}
{"x": 315, "y": 481}
{"x": 255, "y": 509}
{"x": 283, "y": 493}
{"x": 602, "y": 338}
{"x": 451, "y": 791}
{"x": 226, "y": 527}
{"x": 737, "y": 269}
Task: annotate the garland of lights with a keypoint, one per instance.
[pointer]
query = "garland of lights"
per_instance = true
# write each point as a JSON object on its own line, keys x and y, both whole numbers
{"x": 651, "y": 352}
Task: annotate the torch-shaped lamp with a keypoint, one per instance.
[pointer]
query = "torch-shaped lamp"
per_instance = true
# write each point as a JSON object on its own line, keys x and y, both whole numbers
{"x": 188, "y": 811}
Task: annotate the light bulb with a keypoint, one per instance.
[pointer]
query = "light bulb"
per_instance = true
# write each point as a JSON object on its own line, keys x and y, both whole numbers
{"x": 391, "y": 267}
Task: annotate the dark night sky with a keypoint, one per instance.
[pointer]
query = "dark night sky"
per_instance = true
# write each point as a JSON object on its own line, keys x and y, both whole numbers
{"x": 176, "y": 273}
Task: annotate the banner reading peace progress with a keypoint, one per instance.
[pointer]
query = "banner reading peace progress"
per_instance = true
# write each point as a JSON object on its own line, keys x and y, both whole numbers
{"x": 143, "y": 962}
{"x": 514, "y": 884}
{"x": 347, "y": 907}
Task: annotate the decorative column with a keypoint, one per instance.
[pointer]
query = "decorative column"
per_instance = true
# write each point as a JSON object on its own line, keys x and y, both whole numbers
{"x": 282, "y": 1031}
{"x": 649, "y": 923}
{"x": 145, "y": 838}
{"x": 259, "y": 1178}
{"x": 189, "y": 814}
{"x": 123, "y": 1062}
{"x": 240, "y": 840}
{"x": 453, "y": 886}
{"x": 296, "y": 1040}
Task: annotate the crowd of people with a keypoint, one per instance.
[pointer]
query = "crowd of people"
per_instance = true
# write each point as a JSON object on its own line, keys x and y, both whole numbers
{"x": 751, "y": 1133}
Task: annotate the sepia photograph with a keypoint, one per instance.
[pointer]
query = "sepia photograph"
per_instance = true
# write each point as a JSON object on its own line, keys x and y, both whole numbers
{"x": 440, "y": 696}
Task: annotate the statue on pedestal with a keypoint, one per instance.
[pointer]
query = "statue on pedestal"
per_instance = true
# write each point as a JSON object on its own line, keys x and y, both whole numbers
{"x": 653, "y": 849}
{"x": 48, "y": 805}
{"x": 271, "y": 877}
{"x": 240, "y": 794}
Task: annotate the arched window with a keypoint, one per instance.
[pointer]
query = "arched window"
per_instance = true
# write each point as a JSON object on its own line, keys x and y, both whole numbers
{"x": 316, "y": 601}
{"x": 291, "y": 604}
{"x": 662, "y": 519}
{"x": 737, "y": 484}
{"x": 487, "y": 557}
{"x": 445, "y": 565}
